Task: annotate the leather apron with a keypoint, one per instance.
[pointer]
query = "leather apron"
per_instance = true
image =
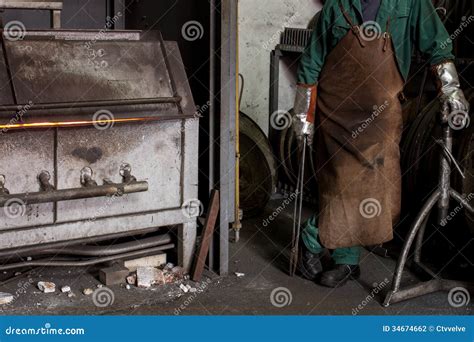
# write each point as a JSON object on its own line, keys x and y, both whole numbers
{"x": 359, "y": 126}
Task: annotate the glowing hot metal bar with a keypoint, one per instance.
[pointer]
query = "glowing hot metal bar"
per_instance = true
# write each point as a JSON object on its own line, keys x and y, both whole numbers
{"x": 74, "y": 123}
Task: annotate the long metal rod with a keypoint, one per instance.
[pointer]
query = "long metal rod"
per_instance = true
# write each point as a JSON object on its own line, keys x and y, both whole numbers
{"x": 33, "y": 5}
{"x": 445, "y": 175}
{"x": 300, "y": 190}
{"x": 72, "y": 194}
{"x": 462, "y": 200}
{"x": 81, "y": 104}
{"x": 88, "y": 262}
{"x": 428, "y": 287}
{"x": 212, "y": 111}
{"x": 294, "y": 250}
{"x": 297, "y": 213}
{"x": 237, "y": 225}
{"x": 32, "y": 250}
{"x": 105, "y": 250}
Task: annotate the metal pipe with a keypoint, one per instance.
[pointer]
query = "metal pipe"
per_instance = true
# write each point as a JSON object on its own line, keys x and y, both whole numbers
{"x": 445, "y": 175}
{"x": 32, "y": 250}
{"x": 113, "y": 249}
{"x": 88, "y": 262}
{"x": 212, "y": 92}
{"x": 33, "y": 5}
{"x": 212, "y": 110}
{"x": 428, "y": 287}
{"x": 72, "y": 194}
{"x": 419, "y": 241}
{"x": 237, "y": 225}
{"x": 462, "y": 200}
{"x": 82, "y": 104}
{"x": 397, "y": 277}
{"x": 425, "y": 211}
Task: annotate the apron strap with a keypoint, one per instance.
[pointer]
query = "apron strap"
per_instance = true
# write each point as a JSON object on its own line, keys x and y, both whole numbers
{"x": 386, "y": 35}
{"x": 354, "y": 28}
{"x": 346, "y": 15}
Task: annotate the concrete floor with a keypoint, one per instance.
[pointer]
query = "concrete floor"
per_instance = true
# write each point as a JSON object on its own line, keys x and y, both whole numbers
{"x": 262, "y": 255}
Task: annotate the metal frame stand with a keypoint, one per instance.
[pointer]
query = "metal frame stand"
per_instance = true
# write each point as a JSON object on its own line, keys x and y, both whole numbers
{"x": 441, "y": 196}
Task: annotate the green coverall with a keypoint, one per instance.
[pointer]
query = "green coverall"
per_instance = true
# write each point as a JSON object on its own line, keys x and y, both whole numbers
{"x": 413, "y": 23}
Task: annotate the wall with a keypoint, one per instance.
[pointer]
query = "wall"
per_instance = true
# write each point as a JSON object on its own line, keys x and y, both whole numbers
{"x": 170, "y": 17}
{"x": 76, "y": 14}
{"x": 260, "y": 25}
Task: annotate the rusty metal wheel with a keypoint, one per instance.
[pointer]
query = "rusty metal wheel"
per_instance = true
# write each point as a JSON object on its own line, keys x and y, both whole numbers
{"x": 258, "y": 171}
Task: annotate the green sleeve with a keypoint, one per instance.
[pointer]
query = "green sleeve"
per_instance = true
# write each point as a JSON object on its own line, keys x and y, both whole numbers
{"x": 430, "y": 34}
{"x": 314, "y": 55}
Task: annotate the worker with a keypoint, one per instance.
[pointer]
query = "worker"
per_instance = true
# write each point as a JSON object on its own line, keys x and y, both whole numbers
{"x": 347, "y": 101}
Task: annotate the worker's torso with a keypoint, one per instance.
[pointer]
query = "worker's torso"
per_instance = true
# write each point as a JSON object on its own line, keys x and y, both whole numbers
{"x": 397, "y": 11}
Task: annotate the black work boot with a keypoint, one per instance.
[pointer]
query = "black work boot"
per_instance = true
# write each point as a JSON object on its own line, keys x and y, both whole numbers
{"x": 309, "y": 264}
{"x": 339, "y": 275}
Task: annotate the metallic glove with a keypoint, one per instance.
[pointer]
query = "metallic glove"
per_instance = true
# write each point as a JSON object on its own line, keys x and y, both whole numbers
{"x": 454, "y": 105}
{"x": 304, "y": 108}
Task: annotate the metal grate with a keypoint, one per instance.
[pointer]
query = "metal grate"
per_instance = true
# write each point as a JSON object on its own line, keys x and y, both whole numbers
{"x": 294, "y": 39}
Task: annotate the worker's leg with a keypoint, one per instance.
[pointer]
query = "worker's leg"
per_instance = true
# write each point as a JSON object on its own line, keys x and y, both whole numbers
{"x": 310, "y": 236}
{"x": 347, "y": 267}
{"x": 347, "y": 256}
{"x": 341, "y": 256}
{"x": 309, "y": 263}
{"x": 345, "y": 259}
